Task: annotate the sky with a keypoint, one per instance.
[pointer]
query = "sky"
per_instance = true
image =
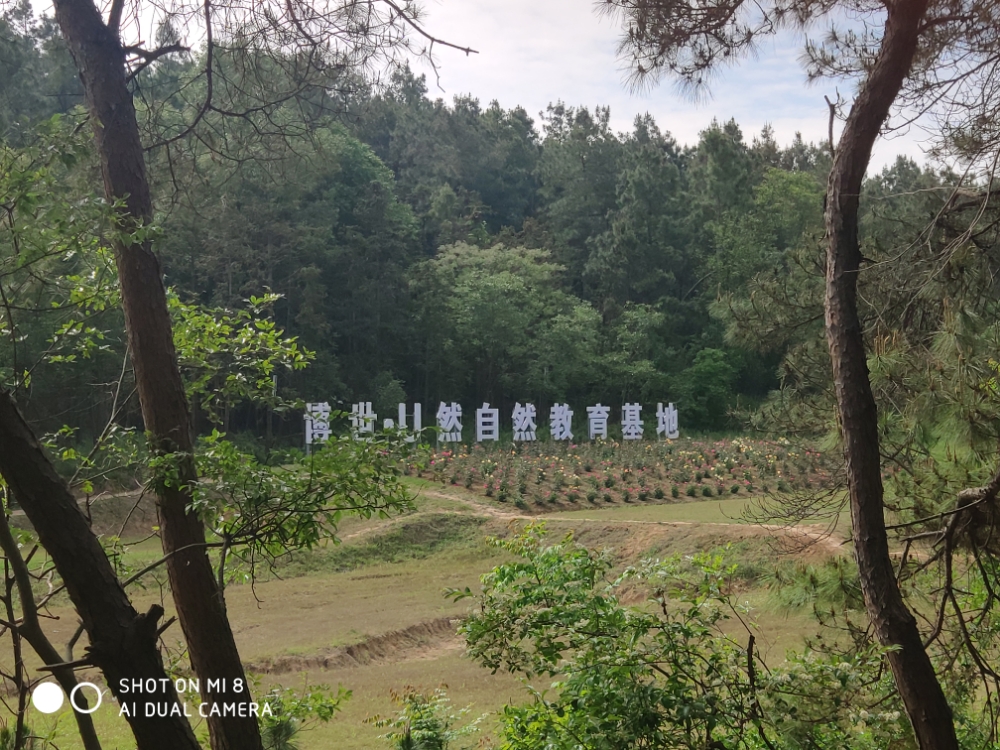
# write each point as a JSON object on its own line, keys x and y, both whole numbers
{"x": 533, "y": 52}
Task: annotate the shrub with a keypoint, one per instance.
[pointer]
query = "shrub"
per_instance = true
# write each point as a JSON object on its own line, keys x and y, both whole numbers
{"x": 425, "y": 721}
{"x": 692, "y": 491}
{"x": 706, "y": 491}
{"x": 658, "y": 493}
{"x": 675, "y": 491}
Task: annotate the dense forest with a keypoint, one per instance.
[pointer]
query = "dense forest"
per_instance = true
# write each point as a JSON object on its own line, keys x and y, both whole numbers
{"x": 431, "y": 250}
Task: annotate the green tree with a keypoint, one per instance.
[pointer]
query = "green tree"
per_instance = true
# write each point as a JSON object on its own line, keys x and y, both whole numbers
{"x": 673, "y": 671}
{"x": 321, "y": 226}
{"x": 490, "y": 313}
{"x": 705, "y": 390}
{"x": 625, "y": 677}
{"x": 786, "y": 211}
{"x": 577, "y": 173}
{"x": 644, "y": 255}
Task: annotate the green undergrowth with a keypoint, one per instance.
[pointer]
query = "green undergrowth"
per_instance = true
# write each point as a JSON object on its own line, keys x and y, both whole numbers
{"x": 408, "y": 539}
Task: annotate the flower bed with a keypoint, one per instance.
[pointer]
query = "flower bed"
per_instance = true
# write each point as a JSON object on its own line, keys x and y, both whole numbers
{"x": 539, "y": 476}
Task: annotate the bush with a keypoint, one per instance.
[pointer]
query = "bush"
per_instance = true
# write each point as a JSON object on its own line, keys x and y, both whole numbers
{"x": 734, "y": 489}
{"x": 608, "y": 498}
{"x": 656, "y": 670}
{"x": 425, "y": 721}
{"x": 658, "y": 493}
{"x": 706, "y": 491}
{"x": 28, "y": 740}
{"x": 675, "y": 491}
{"x": 692, "y": 491}
{"x": 294, "y": 712}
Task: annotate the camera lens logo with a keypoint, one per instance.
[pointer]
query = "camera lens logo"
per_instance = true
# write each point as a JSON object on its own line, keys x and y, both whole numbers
{"x": 48, "y": 698}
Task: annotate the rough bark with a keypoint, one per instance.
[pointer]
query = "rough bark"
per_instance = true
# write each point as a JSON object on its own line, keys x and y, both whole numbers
{"x": 123, "y": 643}
{"x": 894, "y": 624}
{"x": 100, "y": 59}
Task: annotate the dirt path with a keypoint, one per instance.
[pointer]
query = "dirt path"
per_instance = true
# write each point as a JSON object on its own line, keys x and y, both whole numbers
{"x": 799, "y": 534}
{"x": 424, "y": 640}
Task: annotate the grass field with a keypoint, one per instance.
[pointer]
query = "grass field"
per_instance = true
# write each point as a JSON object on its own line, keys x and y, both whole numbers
{"x": 369, "y": 614}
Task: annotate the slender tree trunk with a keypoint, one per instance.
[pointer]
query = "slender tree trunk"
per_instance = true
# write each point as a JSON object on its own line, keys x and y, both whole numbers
{"x": 894, "y": 624}
{"x": 31, "y": 630}
{"x": 100, "y": 59}
{"x": 123, "y": 643}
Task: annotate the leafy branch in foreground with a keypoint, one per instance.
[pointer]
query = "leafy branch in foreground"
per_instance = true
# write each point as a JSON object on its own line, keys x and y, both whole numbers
{"x": 260, "y": 512}
{"x": 626, "y": 677}
{"x": 669, "y": 673}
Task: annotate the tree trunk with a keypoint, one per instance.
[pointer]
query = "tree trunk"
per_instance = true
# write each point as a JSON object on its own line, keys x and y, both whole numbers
{"x": 123, "y": 643}
{"x": 100, "y": 59}
{"x": 894, "y": 624}
{"x": 31, "y": 630}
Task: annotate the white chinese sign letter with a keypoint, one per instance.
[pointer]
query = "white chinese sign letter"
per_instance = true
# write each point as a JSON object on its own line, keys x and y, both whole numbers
{"x": 631, "y": 422}
{"x": 666, "y": 421}
{"x": 449, "y": 422}
{"x": 487, "y": 424}
{"x": 597, "y": 417}
{"x": 363, "y": 418}
{"x": 561, "y": 422}
{"x": 317, "y": 423}
{"x": 416, "y": 421}
{"x": 524, "y": 422}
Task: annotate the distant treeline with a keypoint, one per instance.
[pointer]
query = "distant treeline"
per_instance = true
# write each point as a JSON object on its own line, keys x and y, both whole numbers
{"x": 450, "y": 251}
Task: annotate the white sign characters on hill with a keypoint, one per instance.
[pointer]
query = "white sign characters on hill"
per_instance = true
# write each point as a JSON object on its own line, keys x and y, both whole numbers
{"x": 524, "y": 418}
